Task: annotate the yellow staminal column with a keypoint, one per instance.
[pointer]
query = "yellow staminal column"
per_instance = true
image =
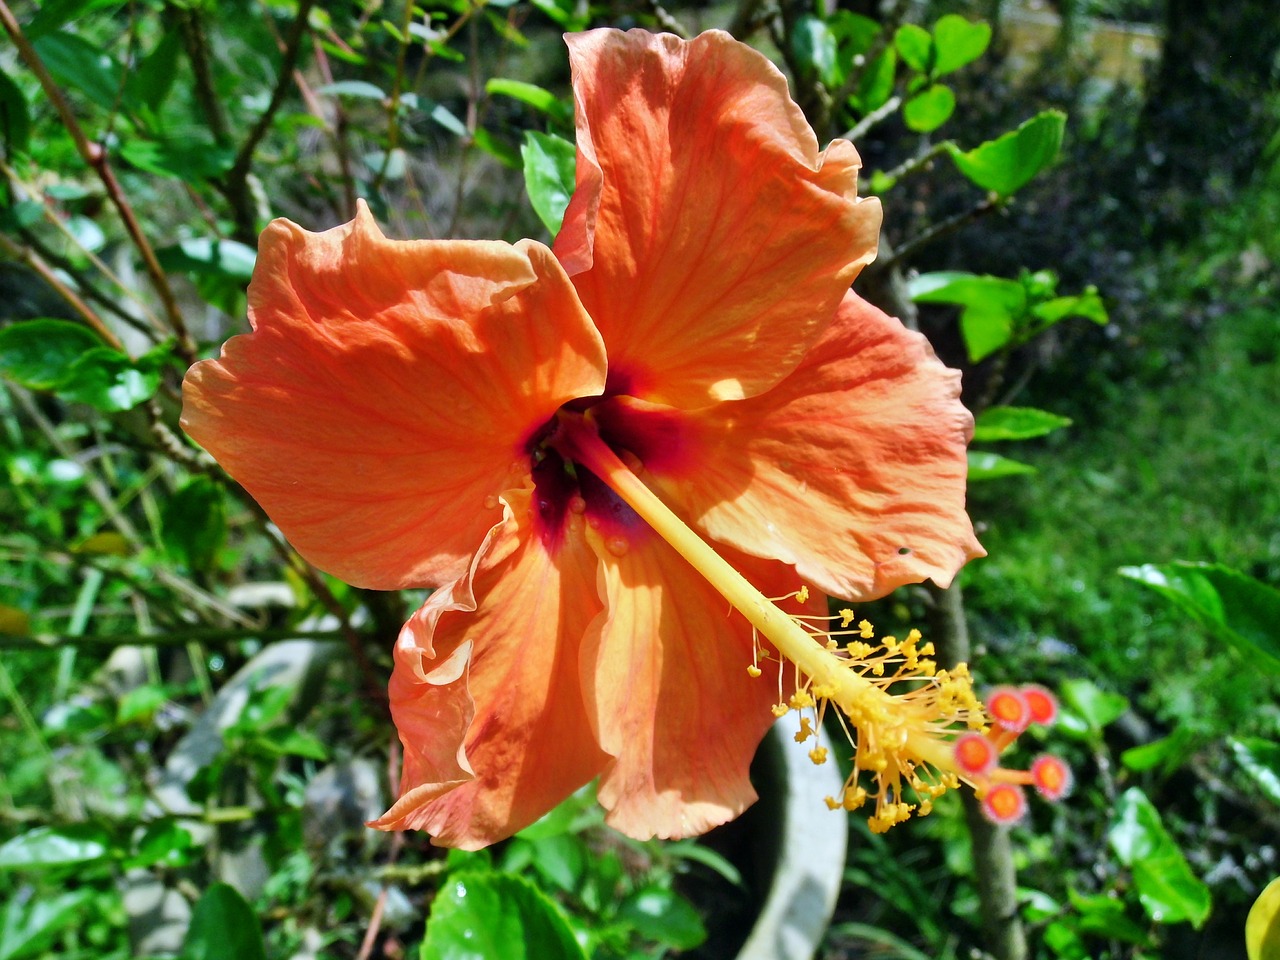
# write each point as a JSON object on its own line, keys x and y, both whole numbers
{"x": 902, "y": 740}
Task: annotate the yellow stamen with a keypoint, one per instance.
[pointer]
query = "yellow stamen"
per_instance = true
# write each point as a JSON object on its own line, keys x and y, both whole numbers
{"x": 904, "y": 711}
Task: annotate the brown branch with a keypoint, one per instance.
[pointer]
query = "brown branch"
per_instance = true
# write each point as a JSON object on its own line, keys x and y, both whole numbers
{"x": 96, "y": 158}
{"x": 940, "y": 229}
{"x": 193, "y": 40}
{"x": 236, "y": 185}
{"x": 86, "y": 312}
{"x": 667, "y": 20}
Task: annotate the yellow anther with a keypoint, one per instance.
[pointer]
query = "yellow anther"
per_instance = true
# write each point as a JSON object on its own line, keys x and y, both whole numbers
{"x": 822, "y": 691}
{"x": 854, "y": 797}
{"x": 800, "y": 699}
{"x": 925, "y": 808}
{"x": 846, "y": 617}
{"x": 866, "y": 630}
{"x": 818, "y": 755}
{"x": 780, "y": 709}
{"x": 831, "y": 802}
{"x": 890, "y": 643}
{"x": 833, "y": 644}
{"x": 802, "y": 595}
{"x": 805, "y": 731}
{"x": 753, "y": 670}
{"x": 913, "y": 635}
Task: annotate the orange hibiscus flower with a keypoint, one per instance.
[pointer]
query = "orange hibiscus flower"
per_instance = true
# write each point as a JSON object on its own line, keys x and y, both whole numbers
{"x": 533, "y": 432}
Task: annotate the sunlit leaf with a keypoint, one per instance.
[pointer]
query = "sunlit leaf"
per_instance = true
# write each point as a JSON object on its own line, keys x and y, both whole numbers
{"x": 1088, "y": 305}
{"x": 496, "y": 916}
{"x": 549, "y": 164}
{"x": 663, "y": 915}
{"x": 44, "y": 847}
{"x": 1260, "y": 759}
{"x": 1234, "y": 607}
{"x": 876, "y": 86}
{"x": 929, "y": 109}
{"x": 958, "y": 42}
{"x": 1007, "y": 163}
{"x": 28, "y": 927}
{"x": 39, "y": 354}
{"x": 110, "y": 381}
{"x": 1167, "y": 889}
{"x": 1016, "y": 423}
{"x": 992, "y": 306}
{"x": 1262, "y": 928}
{"x": 814, "y": 45}
{"x": 992, "y": 466}
{"x": 1097, "y": 707}
{"x": 915, "y": 46}
{"x": 359, "y": 89}
{"x": 535, "y": 96}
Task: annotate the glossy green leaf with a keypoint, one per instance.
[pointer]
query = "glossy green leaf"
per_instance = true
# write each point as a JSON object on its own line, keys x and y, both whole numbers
{"x": 876, "y": 85}
{"x": 958, "y": 42}
{"x": 855, "y": 33}
{"x": 151, "y": 81}
{"x": 535, "y": 96}
{"x": 207, "y": 256}
{"x": 193, "y": 523}
{"x": 56, "y": 13}
{"x": 76, "y": 63}
{"x": 28, "y": 927}
{"x": 1167, "y": 889}
{"x": 549, "y": 164}
{"x": 929, "y": 109}
{"x": 188, "y": 160}
{"x": 915, "y": 46}
{"x": 164, "y": 842}
{"x": 357, "y": 89}
{"x": 564, "y": 13}
{"x": 1233, "y": 607}
{"x": 1016, "y": 423}
{"x": 496, "y": 916}
{"x": 992, "y": 306}
{"x": 992, "y": 466}
{"x": 1097, "y": 707}
{"x": 1166, "y": 754}
{"x": 1088, "y": 305}
{"x": 447, "y": 119}
{"x": 39, "y": 354}
{"x": 560, "y": 860}
{"x": 663, "y": 915}
{"x": 223, "y": 927}
{"x": 15, "y": 118}
{"x": 1260, "y": 759}
{"x": 1262, "y": 928}
{"x": 109, "y": 381}
{"x": 44, "y": 847}
{"x": 1007, "y": 163}
{"x": 815, "y": 48}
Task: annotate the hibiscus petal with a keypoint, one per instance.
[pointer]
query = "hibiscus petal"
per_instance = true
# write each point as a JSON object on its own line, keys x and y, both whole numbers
{"x": 378, "y": 407}
{"x": 852, "y": 468}
{"x": 708, "y": 237}
{"x": 485, "y": 692}
{"x": 665, "y": 670}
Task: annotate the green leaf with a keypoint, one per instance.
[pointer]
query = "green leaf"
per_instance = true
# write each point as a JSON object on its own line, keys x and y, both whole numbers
{"x": 193, "y": 523}
{"x": 188, "y": 159}
{"x": 992, "y": 306}
{"x": 39, "y": 354}
{"x": 164, "y": 842}
{"x": 1104, "y": 916}
{"x": 1260, "y": 759}
{"x": 876, "y": 85}
{"x": 561, "y": 860}
{"x": 208, "y": 256}
{"x": 1098, "y": 708}
{"x": 55, "y": 13}
{"x": 1088, "y": 305}
{"x": 446, "y": 118}
{"x": 814, "y": 46}
{"x": 992, "y": 466}
{"x": 663, "y": 915}
{"x": 15, "y": 119}
{"x": 855, "y": 33}
{"x": 501, "y": 151}
{"x": 1005, "y": 164}
{"x": 140, "y": 704}
{"x": 1262, "y": 928}
{"x": 549, "y": 164}
{"x": 929, "y": 109}
{"x": 564, "y": 13}
{"x": 1016, "y": 423}
{"x": 78, "y": 64}
{"x": 535, "y": 96}
{"x": 1167, "y": 889}
{"x": 109, "y": 381}
{"x": 291, "y": 742}
{"x": 1167, "y": 753}
{"x": 915, "y": 46}
{"x": 360, "y": 89}
{"x": 958, "y": 42}
{"x": 223, "y": 927}
{"x": 1233, "y": 607}
{"x": 495, "y": 916}
{"x": 151, "y": 81}
{"x": 28, "y": 929}
{"x": 43, "y": 847}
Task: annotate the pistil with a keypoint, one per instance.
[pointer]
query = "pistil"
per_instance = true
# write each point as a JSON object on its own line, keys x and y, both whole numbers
{"x": 901, "y": 740}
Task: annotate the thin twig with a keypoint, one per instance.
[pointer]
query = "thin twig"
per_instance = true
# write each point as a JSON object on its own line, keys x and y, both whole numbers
{"x": 667, "y": 21}
{"x": 236, "y": 185}
{"x": 940, "y": 229}
{"x": 885, "y": 110}
{"x": 96, "y": 158}
{"x": 86, "y": 312}
{"x": 193, "y": 40}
